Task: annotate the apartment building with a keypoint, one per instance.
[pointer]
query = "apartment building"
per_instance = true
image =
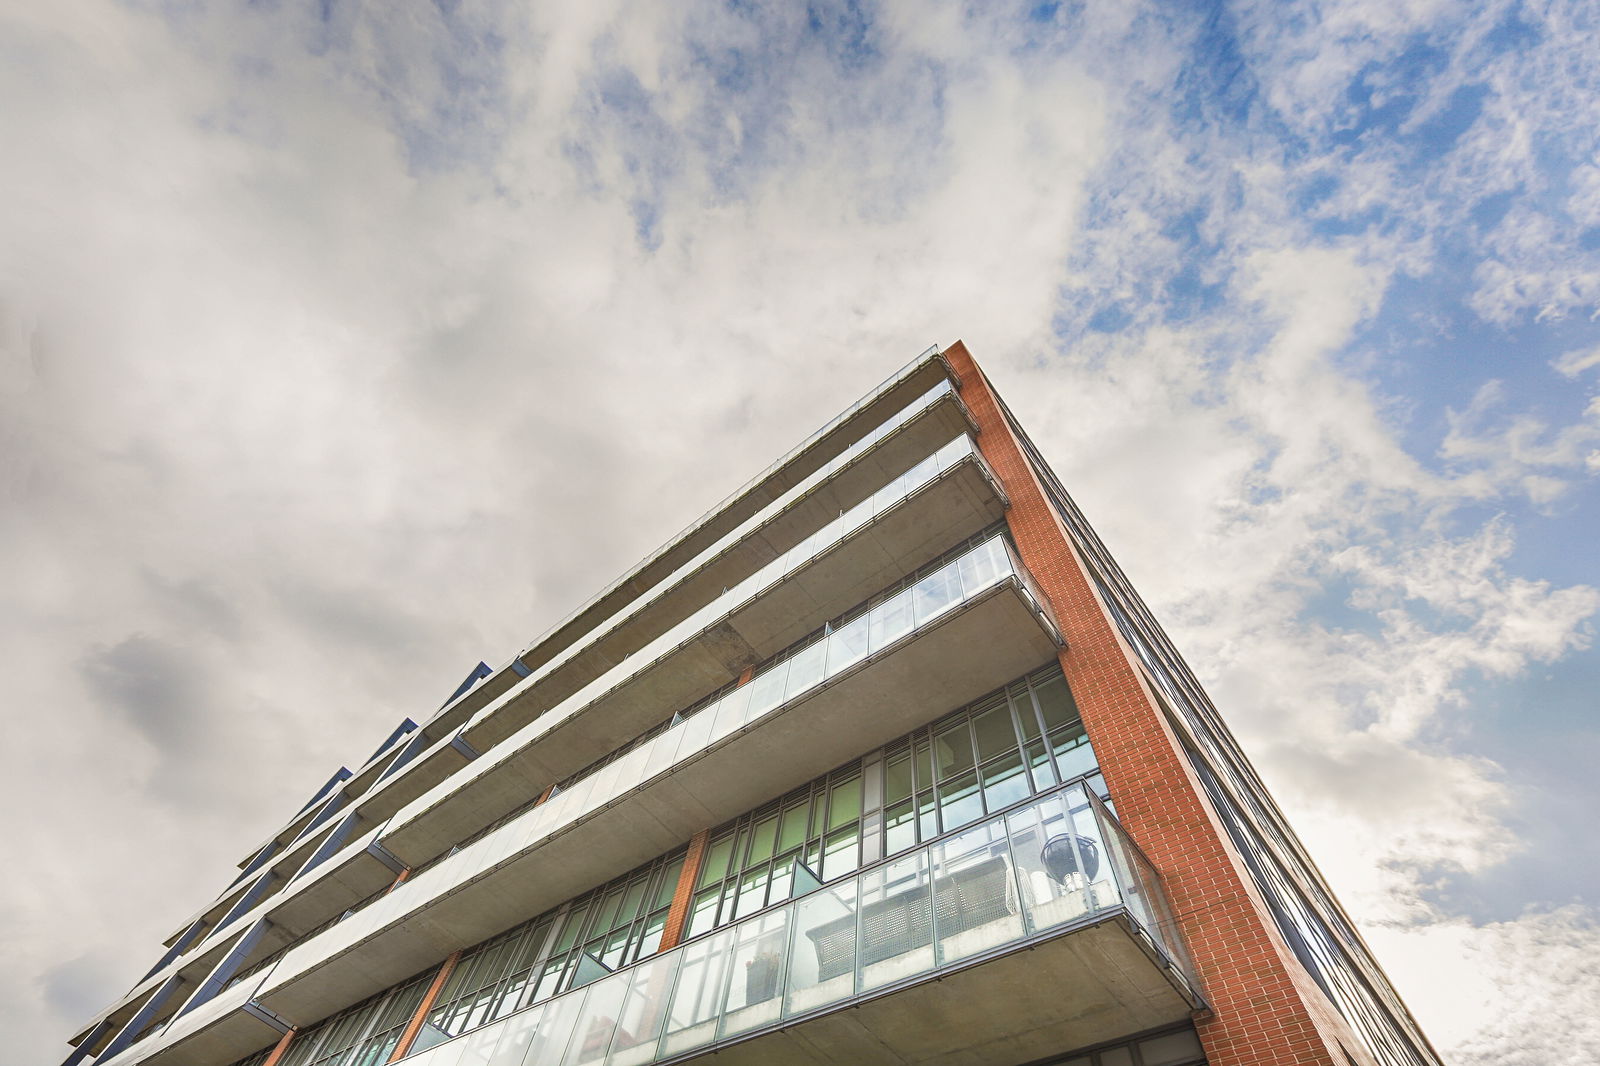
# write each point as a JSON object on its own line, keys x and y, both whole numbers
{"x": 882, "y": 760}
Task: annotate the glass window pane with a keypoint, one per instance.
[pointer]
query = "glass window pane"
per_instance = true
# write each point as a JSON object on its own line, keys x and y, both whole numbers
{"x": 1055, "y": 702}
{"x": 1027, "y": 717}
{"x": 924, "y": 764}
{"x": 983, "y": 566}
{"x": 667, "y": 884}
{"x": 841, "y": 855}
{"x": 897, "y": 777}
{"x": 704, "y": 915}
{"x": 952, "y": 749}
{"x": 927, "y": 815}
{"x": 1004, "y": 782}
{"x": 1169, "y": 1049}
{"x": 959, "y": 801}
{"x": 844, "y": 802}
{"x": 1039, "y": 764}
{"x": 752, "y": 892}
{"x": 1073, "y": 754}
{"x": 761, "y": 838}
{"x": 994, "y": 732}
{"x": 716, "y": 861}
{"x": 899, "y": 828}
{"x": 792, "y": 831}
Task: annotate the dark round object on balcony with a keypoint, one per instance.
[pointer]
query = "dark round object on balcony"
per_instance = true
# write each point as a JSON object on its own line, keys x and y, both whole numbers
{"x": 1060, "y": 856}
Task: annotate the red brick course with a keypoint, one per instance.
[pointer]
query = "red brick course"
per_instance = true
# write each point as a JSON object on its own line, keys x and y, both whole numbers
{"x": 1265, "y": 1010}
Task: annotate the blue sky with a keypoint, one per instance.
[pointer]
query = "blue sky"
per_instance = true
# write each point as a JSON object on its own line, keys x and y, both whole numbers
{"x": 343, "y": 345}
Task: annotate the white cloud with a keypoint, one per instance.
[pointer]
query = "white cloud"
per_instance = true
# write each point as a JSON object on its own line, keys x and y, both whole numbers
{"x": 336, "y": 357}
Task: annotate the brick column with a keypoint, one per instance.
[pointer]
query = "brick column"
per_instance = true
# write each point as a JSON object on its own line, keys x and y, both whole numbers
{"x": 683, "y": 898}
{"x": 1265, "y": 1013}
{"x": 414, "y": 1026}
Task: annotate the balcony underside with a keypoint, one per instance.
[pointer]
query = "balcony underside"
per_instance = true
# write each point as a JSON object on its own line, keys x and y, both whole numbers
{"x": 1083, "y": 987}
{"x": 972, "y": 650}
{"x": 956, "y": 505}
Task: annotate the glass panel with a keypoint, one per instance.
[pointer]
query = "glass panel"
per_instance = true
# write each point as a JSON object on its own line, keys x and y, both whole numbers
{"x": 983, "y": 566}
{"x": 730, "y": 713}
{"x": 756, "y": 974}
{"x": 890, "y": 620}
{"x": 889, "y": 495}
{"x": 697, "y": 999}
{"x": 975, "y": 893}
{"x": 924, "y": 764}
{"x": 1055, "y": 702}
{"x": 855, "y": 518}
{"x": 1052, "y": 863}
{"x": 1073, "y": 754}
{"x": 842, "y": 853}
{"x": 761, "y": 838}
{"x": 900, "y": 828}
{"x": 1044, "y": 774}
{"x": 644, "y": 1012}
{"x": 935, "y": 594}
{"x": 1004, "y": 783}
{"x": 847, "y": 645}
{"x": 897, "y": 777}
{"x": 715, "y": 867}
{"x": 805, "y": 669}
{"x": 921, "y": 474}
{"x": 766, "y": 690}
{"x": 896, "y": 922}
{"x": 952, "y": 750}
{"x": 597, "y": 1022}
{"x": 792, "y": 832}
{"x": 844, "y": 802}
{"x": 1170, "y": 1049}
{"x": 822, "y": 959}
{"x": 557, "y": 1022}
{"x": 959, "y": 801}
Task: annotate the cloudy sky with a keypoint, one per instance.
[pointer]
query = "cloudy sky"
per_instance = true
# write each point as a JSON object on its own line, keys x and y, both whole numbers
{"x": 343, "y": 345}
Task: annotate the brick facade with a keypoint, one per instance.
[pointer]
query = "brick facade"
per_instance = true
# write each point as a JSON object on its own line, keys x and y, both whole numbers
{"x": 1266, "y": 1010}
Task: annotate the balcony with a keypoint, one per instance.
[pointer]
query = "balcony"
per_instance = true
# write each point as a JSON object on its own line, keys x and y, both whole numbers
{"x": 854, "y": 430}
{"x": 1036, "y": 931}
{"x": 948, "y": 496}
{"x": 725, "y": 571}
{"x": 961, "y": 631}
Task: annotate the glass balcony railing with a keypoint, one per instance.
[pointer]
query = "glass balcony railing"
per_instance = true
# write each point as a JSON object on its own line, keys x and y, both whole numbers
{"x": 734, "y": 536}
{"x": 904, "y": 415}
{"x": 979, "y": 568}
{"x": 1040, "y": 869}
{"x": 872, "y": 629}
{"x": 928, "y": 595}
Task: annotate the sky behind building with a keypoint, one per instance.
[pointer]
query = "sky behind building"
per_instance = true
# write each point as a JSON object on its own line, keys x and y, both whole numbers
{"x": 344, "y": 345}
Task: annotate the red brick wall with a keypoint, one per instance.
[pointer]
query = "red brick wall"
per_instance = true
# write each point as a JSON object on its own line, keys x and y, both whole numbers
{"x": 1265, "y": 1008}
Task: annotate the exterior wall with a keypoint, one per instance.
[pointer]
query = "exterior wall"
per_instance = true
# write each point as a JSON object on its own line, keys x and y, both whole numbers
{"x": 1263, "y": 1011}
